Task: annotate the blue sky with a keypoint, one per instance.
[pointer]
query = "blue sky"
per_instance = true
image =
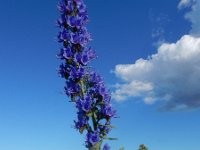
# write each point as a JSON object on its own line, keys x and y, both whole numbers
{"x": 35, "y": 115}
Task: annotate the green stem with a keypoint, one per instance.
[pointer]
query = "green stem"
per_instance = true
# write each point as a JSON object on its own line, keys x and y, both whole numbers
{"x": 94, "y": 121}
{"x": 96, "y": 147}
{"x": 82, "y": 88}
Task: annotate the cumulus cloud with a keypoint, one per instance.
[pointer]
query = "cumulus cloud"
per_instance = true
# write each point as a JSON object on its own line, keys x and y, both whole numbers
{"x": 171, "y": 76}
{"x": 134, "y": 88}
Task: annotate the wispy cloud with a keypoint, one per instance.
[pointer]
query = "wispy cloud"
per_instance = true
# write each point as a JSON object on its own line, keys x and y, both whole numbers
{"x": 171, "y": 76}
{"x": 158, "y": 21}
{"x": 194, "y": 17}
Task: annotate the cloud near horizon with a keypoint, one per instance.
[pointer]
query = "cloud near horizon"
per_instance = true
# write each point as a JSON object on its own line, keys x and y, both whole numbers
{"x": 170, "y": 76}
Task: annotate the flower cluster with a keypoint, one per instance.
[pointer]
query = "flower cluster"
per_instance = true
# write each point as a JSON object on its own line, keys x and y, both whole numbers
{"x": 83, "y": 85}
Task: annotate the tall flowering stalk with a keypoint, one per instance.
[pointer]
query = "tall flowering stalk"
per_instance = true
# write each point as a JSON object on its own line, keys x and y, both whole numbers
{"x": 84, "y": 86}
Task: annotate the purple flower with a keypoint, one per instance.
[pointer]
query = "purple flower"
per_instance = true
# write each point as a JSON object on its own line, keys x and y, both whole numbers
{"x": 64, "y": 36}
{"x": 85, "y": 58}
{"x": 82, "y": 121}
{"x": 94, "y": 78}
{"x": 79, "y": 39}
{"x": 93, "y": 138}
{"x": 85, "y": 104}
{"x": 71, "y": 21}
{"x": 72, "y": 88}
{"x": 61, "y": 21}
{"x": 105, "y": 94}
{"x": 91, "y": 53}
{"x": 61, "y": 7}
{"x": 62, "y": 70}
{"x": 78, "y": 58}
{"x": 105, "y": 129}
{"x": 106, "y": 147}
{"x": 70, "y": 6}
{"x": 76, "y": 39}
{"x": 79, "y": 2}
{"x": 82, "y": 59}
{"x": 65, "y": 53}
{"x": 77, "y": 73}
{"x": 108, "y": 111}
{"x": 87, "y": 36}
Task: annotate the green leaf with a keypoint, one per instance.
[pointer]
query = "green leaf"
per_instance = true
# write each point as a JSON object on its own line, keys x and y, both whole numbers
{"x": 89, "y": 114}
{"x": 110, "y": 126}
{"x": 111, "y": 138}
{"x": 82, "y": 129}
{"x": 143, "y": 147}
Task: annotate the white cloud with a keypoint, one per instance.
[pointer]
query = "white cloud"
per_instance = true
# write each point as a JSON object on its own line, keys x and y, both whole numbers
{"x": 172, "y": 75}
{"x": 185, "y": 3}
{"x": 134, "y": 88}
{"x": 149, "y": 100}
{"x": 194, "y": 17}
